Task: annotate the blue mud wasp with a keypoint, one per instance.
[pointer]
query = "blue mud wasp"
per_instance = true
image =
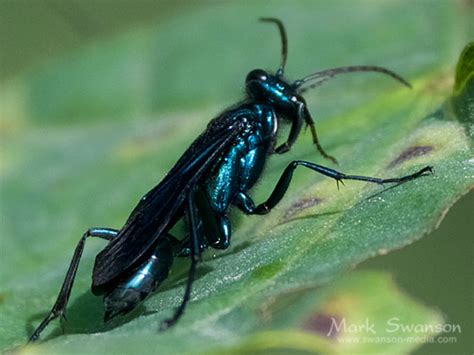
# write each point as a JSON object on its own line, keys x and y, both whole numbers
{"x": 216, "y": 172}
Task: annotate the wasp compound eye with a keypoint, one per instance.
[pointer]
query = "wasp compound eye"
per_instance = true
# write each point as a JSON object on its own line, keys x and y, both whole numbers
{"x": 257, "y": 75}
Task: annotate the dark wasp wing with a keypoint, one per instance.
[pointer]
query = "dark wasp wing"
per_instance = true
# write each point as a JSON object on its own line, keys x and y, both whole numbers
{"x": 155, "y": 211}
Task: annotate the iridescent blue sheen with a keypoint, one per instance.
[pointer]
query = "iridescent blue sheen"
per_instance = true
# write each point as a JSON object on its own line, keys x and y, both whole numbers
{"x": 228, "y": 183}
{"x": 105, "y": 232}
{"x": 127, "y": 294}
{"x": 215, "y": 173}
{"x": 270, "y": 100}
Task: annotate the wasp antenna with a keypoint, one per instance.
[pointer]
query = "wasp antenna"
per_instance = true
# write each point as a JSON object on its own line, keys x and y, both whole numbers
{"x": 284, "y": 42}
{"x": 320, "y": 77}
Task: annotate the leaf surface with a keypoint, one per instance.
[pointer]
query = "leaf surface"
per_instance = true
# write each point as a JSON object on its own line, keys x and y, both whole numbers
{"x": 79, "y": 150}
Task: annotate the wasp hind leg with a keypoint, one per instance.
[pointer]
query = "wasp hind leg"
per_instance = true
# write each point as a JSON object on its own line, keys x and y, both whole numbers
{"x": 184, "y": 248}
{"x": 63, "y": 297}
{"x": 194, "y": 255}
{"x": 212, "y": 225}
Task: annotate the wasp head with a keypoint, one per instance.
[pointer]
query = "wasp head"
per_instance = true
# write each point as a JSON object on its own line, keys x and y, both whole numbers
{"x": 268, "y": 88}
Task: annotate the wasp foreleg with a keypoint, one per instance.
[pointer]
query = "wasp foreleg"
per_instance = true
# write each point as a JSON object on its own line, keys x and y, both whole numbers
{"x": 245, "y": 203}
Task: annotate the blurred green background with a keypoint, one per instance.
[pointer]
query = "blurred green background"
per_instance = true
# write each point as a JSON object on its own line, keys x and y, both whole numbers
{"x": 118, "y": 39}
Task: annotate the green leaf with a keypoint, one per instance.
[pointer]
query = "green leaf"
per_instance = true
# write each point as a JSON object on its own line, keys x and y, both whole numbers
{"x": 463, "y": 97}
{"x": 465, "y": 67}
{"x": 361, "y": 313}
{"x": 79, "y": 150}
